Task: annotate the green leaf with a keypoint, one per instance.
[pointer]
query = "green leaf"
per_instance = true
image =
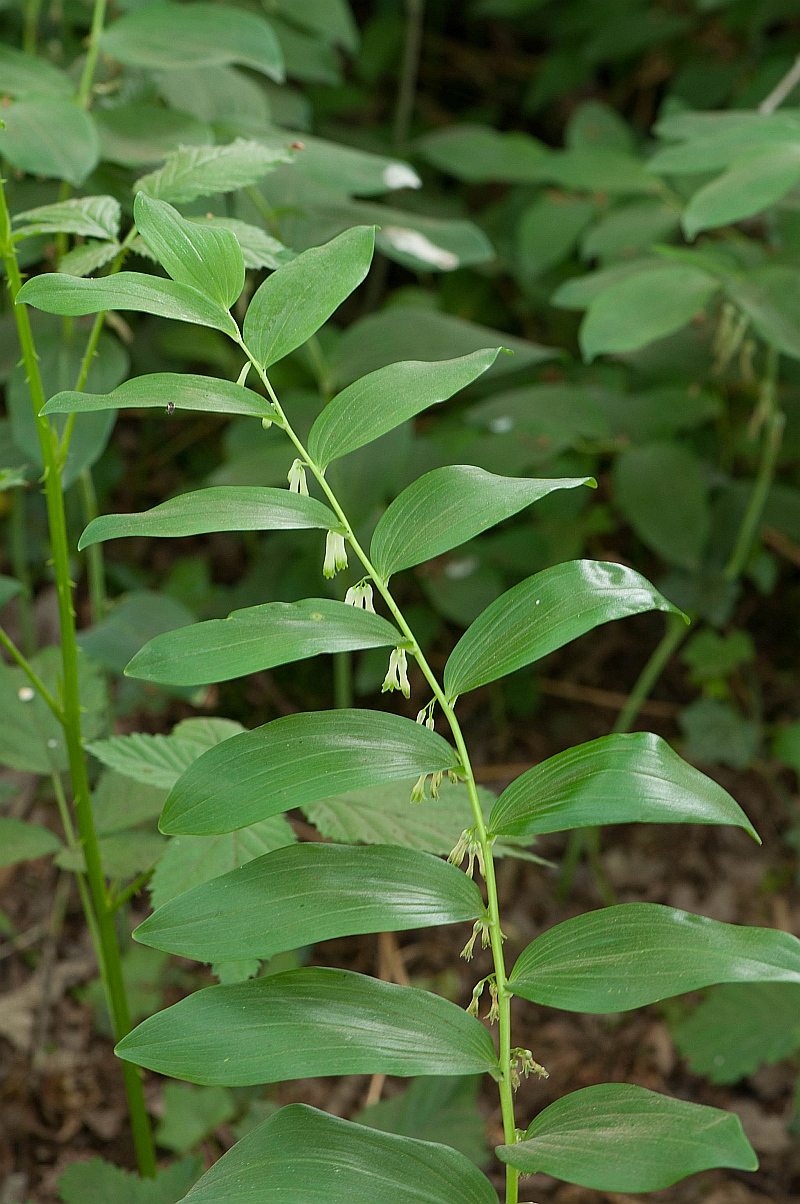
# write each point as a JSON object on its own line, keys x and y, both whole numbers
{"x": 49, "y": 137}
{"x": 629, "y": 230}
{"x": 674, "y": 522}
{"x": 716, "y": 732}
{"x": 194, "y": 171}
{"x": 25, "y": 842}
{"x": 543, "y": 613}
{"x": 347, "y": 169}
{"x": 218, "y": 508}
{"x": 157, "y": 390}
{"x": 204, "y": 35}
{"x": 750, "y": 185}
{"x": 739, "y": 1027}
{"x": 332, "y": 20}
{"x": 306, "y": 893}
{"x": 207, "y": 258}
{"x": 123, "y": 855}
{"x": 119, "y": 803}
{"x": 383, "y": 400}
{"x": 9, "y": 588}
{"x": 309, "y": 1022}
{"x": 90, "y": 216}
{"x": 31, "y": 738}
{"x": 581, "y": 291}
{"x": 548, "y": 231}
{"x": 259, "y": 249}
{"x": 82, "y": 261}
{"x": 478, "y": 154}
{"x": 307, "y": 58}
{"x": 618, "y": 1137}
{"x": 299, "y": 297}
{"x": 97, "y": 1182}
{"x": 139, "y": 133}
{"x": 618, "y": 779}
{"x": 160, "y": 760}
{"x": 595, "y": 124}
{"x": 26, "y": 75}
{"x": 71, "y": 297}
{"x": 448, "y": 506}
{"x": 257, "y": 638}
{"x": 770, "y": 297}
{"x": 300, "y": 1153}
{"x": 637, "y": 953}
{"x": 644, "y": 307}
{"x": 230, "y": 101}
{"x": 557, "y": 415}
{"x": 191, "y": 1114}
{"x": 596, "y": 169}
{"x": 712, "y": 141}
{"x": 191, "y": 861}
{"x": 130, "y": 624}
{"x": 298, "y": 759}
{"x": 434, "y": 1109}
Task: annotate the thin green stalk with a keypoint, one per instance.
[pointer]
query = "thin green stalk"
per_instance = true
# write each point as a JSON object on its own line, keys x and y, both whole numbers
{"x": 493, "y": 922}
{"x": 675, "y": 633}
{"x": 21, "y": 569}
{"x": 31, "y": 674}
{"x": 30, "y": 30}
{"x": 409, "y": 68}
{"x": 71, "y": 708}
{"x": 90, "y": 66}
{"x": 94, "y": 554}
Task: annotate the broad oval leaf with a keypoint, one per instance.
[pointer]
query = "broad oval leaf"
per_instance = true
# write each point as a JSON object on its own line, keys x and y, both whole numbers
{"x": 27, "y": 75}
{"x": 259, "y": 637}
{"x": 448, "y": 506}
{"x": 195, "y": 171}
{"x": 643, "y": 307}
{"x": 674, "y": 522}
{"x": 91, "y": 216}
{"x": 298, "y": 759}
{"x": 769, "y": 297}
{"x": 70, "y": 296}
{"x": 619, "y": 1137}
{"x": 47, "y": 136}
{"x": 543, "y": 613}
{"x": 20, "y": 841}
{"x": 218, "y": 508}
{"x": 306, "y": 893}
{"x": 633, "y": 954}
{"x": 203, "y": 35}
{"x": 383, "y": 400}
{"x": 619, "y": 779}
{"x": 300, "y": 1154}
{"x": 751, "y": 184}
{"x": 205, "y": 257}
{"x": 479, "y": 154}
{"x": 294, "y": 301}
{"x": 157, "y": 390}
{"x": 309, "y": 1022}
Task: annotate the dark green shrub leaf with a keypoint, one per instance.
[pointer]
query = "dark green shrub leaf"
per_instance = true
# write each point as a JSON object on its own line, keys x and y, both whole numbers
{"x": 131, "y": 623}
{"x": 98, "y": 1182}
{"x": 296, "y": 760}
{"x": 218, "y": 508}
{"x": 750, "y": 185}
{"x": 205, "y": 257}
{"x": 558, "y": 415}
{"x": 636, "y": 953}
{"x": 195, "y": 171}
{"x": 435, "y": 1109}
{"x": 160, "y": 760}
{"x": 209, "y": 394}
{"x": 448, "y": 506}
{"x": 644, "y": 307}
{"x": 309, "y": 1022}
{"x": 548, "y": 231}
{"x": 770, "y": 296}
{"x": 25, "y": 75}
{"x": 306, "y": 893}
{"x": 479, "y": 154}
{"x": 717, "y": 733}
{"x": 91, "y": 216}
{"x": 630, "y": 229}
{"x": 257, "y": 638}
{"x": 192, "y": 1114}
{"x": 47, "y": 136}
{"x": 140, "y": 133}
{"x": 300, "y": 1153}
{"x": 617, "y": 1137}
{"x": 635, "y": 778}
{"x": 298, "y": 298}
{"x": 663, "y": 492}
{"x": 123, "y": 855}
{"x": 739, "y": 1027}
{"x": 25, "y": 842}
{"x": 232, "y": 102}
{"x": 543, "y": 613}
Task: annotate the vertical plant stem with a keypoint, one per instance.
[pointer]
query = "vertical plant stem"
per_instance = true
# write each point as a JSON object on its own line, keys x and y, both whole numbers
{"x": 30, "y": 30}
{"x": 409, "y": 68}
{"x": 21, "y": 569}
{"x": 90, "y": 66}
{"x": 94, "y": 553}
{"x": 111, "y": 965}
{"x": 674, "y": 634}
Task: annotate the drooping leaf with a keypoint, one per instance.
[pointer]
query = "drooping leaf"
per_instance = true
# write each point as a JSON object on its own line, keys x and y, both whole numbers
{"x": 306, "y": 893}
{"x": 71, "y": 297}
{"x": 434, "y": 1109}
{"x": 543, "y": 613}
{"x": 300, "y": 1153}
{"x": 383, "y": 400}
{"x": 257, "y": 638}
{"x": 205, "y": 35}
{"x": 160, "y": 760}
{"x": 644, "y": 307}
{"x": 636, "y": 953}
{"x": 157, "y": 390}
{"x": 448, "y": 506}
{"x": 295, "y": 760}
{"x": 739, "y": 1027}
{"x": 296, "y": 299}
{"x": 633, "y": 778}
{"x": 21, "y": 841}
{"x": 195, "y": 171}
{"x": 663, "y": 492}
{"x": 618, "y": 1137}
{"x": 207, "y": 258}
{"x": 90, "y": 216}
{"x": 28, "y": 75}
{"x": 48, "y": 136}
{"x": 309, "y": 1022}
{"x": 750, "y": 185}
{"x": 218, "y": 508}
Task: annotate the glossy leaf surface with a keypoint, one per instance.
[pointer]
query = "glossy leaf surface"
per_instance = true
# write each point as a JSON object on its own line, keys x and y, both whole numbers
{"x": 295, "y": 301}
{"x": 300, "y": 1154}
{"x": 257, "y": 638}
{"x": 206, "y": 394}
{"x": 309, "y": 1022}
{"x": 218, "y": 508}
{"x": 448, "y": 506}
{"x": 618, "y": 779}
{"x": 307, "y": 893}
{"x": 636, "y": 953}
{"x": 543, "y": 613}
{"x": 202, "y": 256}
{"x": 618, "y": 1137}
{"x": 298, "y": 759}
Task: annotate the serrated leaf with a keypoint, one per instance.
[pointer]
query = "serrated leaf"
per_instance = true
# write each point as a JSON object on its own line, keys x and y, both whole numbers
{"x": 299, "y": 1153}
{"x": 309, "y": 1022}
{"x": 206, "y": 258}
{"x": 739, "y": 1027}
{"x": 47, "y": 136}
{"x": 644, "y": 307}
{"x": 71, "y": 297}
{"x": 543, "y": 613}
{"x": 195, "y": 171}
{"x": 259, "y": 637}
{"x": 618, "y": 1137}
{"x": 259, "y": 249}
{"x": 296, "y": 760}
{"x": 675, "y": 523}
{"x": 434, "y": 1109}
{"x": 306, "y": 893}
{"x": 633, "y": 778}
{"x": 448, "y": 506}
{"x": 82, "y": 261}
{"x": 89, "y": 216}
{"x": 157, "y": 390}
{"x": 633, "y": 954}
{"x": 98, "y": 1182}
{"x": 218, "y": 508}
{"x": 750, "y": 185}
{"x": 28, "y": 75}
{"x": 192, "y": 1114}
{"x": 120, "y": 803}
{"x": 154, "y": 760}
{"x": 123, "y": 855}
{"x": 21, "y": 841}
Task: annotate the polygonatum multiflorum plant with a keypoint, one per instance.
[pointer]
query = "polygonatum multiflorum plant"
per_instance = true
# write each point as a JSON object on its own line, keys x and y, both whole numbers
{"x": 323, "y": 1021}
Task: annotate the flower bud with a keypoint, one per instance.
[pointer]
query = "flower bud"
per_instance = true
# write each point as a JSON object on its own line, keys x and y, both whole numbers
{"x": 297, "y": 479}
{"x": 335, "y": 554}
